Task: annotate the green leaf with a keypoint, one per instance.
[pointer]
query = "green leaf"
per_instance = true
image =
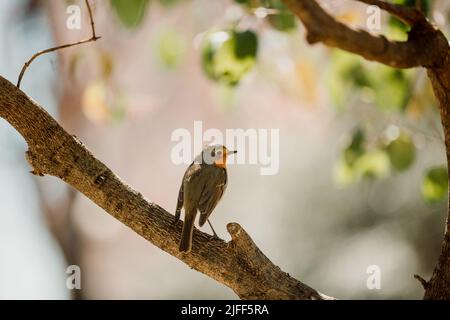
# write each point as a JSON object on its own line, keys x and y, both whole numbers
{"x": 285, "y": 20}
{"x": 171, "y": 48}
{"x": 373, "y": 164}
{"x": 346, "y": 74}
{"x": 392, "y": 88}
{"x": 412, "y": 3}
{"x": 369, "y": 165}
{"x": 168, "y": 3}
{"x": 130, "y": 12}
{"x": 229, "y": 55}
{"x": 252, "y": 3}
{"x": 246, "y": 44}
{"x": 356, "y": 147}
{"x": 435, "y": 185}
{"x": 396, "y": 25}
{"x": 344, "y": 174}
{"x": 401, "y": 152}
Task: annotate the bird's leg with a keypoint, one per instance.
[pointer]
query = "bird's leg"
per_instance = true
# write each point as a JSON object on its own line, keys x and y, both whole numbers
{"x": 177, "y": 217}
{"x": 215, "y": 234}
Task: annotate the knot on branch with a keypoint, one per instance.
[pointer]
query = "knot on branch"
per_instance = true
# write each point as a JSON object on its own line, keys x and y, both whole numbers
{"x": 248, "y": 253}
{"x": 35, "y": 164}
{"x": 422, "y": 281}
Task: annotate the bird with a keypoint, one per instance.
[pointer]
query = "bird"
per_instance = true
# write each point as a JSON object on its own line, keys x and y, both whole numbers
{"x": 202, "y": 187}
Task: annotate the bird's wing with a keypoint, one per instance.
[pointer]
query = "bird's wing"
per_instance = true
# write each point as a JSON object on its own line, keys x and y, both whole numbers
{"x": 211, "y": 196}
{"x": 179, "y": 202}
{"x": 192, "y": 171}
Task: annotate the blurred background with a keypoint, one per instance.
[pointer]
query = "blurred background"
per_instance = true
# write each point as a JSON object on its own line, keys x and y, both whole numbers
{"x": 361, "y": 180}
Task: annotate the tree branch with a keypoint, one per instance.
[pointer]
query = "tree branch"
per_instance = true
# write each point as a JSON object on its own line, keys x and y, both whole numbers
{"x": 322, "y": 27}
{"x": 94, "y": 37}
{"x": 409, "y": 15}
{"x": 238, "y": 264}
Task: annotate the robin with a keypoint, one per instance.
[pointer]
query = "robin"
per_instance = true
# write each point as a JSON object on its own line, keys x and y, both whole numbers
{"x": 203, "y": 185}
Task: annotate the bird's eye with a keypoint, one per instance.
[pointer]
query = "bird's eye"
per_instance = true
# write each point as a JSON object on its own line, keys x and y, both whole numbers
{"x": 219, "y": 153}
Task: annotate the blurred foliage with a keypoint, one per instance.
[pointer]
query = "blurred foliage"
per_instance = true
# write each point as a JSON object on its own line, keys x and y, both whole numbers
{"x": 394, "y": 151}
{"x": 349, "y": 74}
{"x": 130, "y": 12}
{"x": 101, "y": 104}
{"x": 284, "y": 20}
{"x": 171, "y": 48}
{"x": 397, "y": 25}
{"x": 435, "y": 184}
{"x": 279, "y": 18}
{"x": 358, "y": 161}
{"x": 228, "y": 55}
{"x": 401, "y": 151}
{"x": 168, "y": 2}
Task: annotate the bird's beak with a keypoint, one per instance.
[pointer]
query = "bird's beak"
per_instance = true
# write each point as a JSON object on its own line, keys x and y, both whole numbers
{"x": 232, "y": 152}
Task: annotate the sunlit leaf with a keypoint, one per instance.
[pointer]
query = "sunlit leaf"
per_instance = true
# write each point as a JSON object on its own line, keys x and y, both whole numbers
{"x": 344, "y": 174}
{"x": 118, "y": 110}
{"x": 94, "y": 103}
{"x": 171, "y": 48}
{"x": 246, "y": 44}
{"x": 356, "y": 162}
{"x": 107, "y": 64}
{"x": 356, "y": 147}
{"x": 285, "y": 19}
{"x": 398, "y": 27}
{"x": 373, "y": 164}
{"x": 252, "y": 3}
{"x": 168, "y": 3}
{"x": 130, "y": 12}
{"x": 74, "y": 61}
{"x": 101, "y": 104}
{"x": 401, "y": 152}
{"x": 346, "y": 74}
{"x": 349, "y": 75}
{"x": 435, "y": 184}
{"x": 369, "y": 165}
{"x": 392, "y": 88}
{"x": 226, "y": 57}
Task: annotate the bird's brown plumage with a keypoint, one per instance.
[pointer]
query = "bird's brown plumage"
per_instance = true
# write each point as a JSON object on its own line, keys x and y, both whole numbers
{"x": 202, "y": 188}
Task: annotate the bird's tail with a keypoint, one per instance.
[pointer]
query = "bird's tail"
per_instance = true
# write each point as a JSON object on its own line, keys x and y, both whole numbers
{"x": 188, "y": 229}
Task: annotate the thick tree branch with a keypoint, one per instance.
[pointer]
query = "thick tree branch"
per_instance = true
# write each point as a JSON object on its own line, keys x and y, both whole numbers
{"x": 238, "y": 264}
{"x": 322, "y": 27}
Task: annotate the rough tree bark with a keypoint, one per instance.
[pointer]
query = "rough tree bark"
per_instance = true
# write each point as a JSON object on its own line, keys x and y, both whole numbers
{"x": 239, "y": 264}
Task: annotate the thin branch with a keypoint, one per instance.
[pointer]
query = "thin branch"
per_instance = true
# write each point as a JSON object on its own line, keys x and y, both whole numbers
{"x": 94, "y": 37}
{"x": 409, "y": 15}
{"x": 422, "y": 281}
{"x": 238, "y": 264}
{"x": 91, "y": 18}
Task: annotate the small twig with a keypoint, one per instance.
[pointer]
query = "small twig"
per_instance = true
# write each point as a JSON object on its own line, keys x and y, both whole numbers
{"x": 94, "y": 37}
{"x": 409, "y": 15}
{"x": 422, "y": 281}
